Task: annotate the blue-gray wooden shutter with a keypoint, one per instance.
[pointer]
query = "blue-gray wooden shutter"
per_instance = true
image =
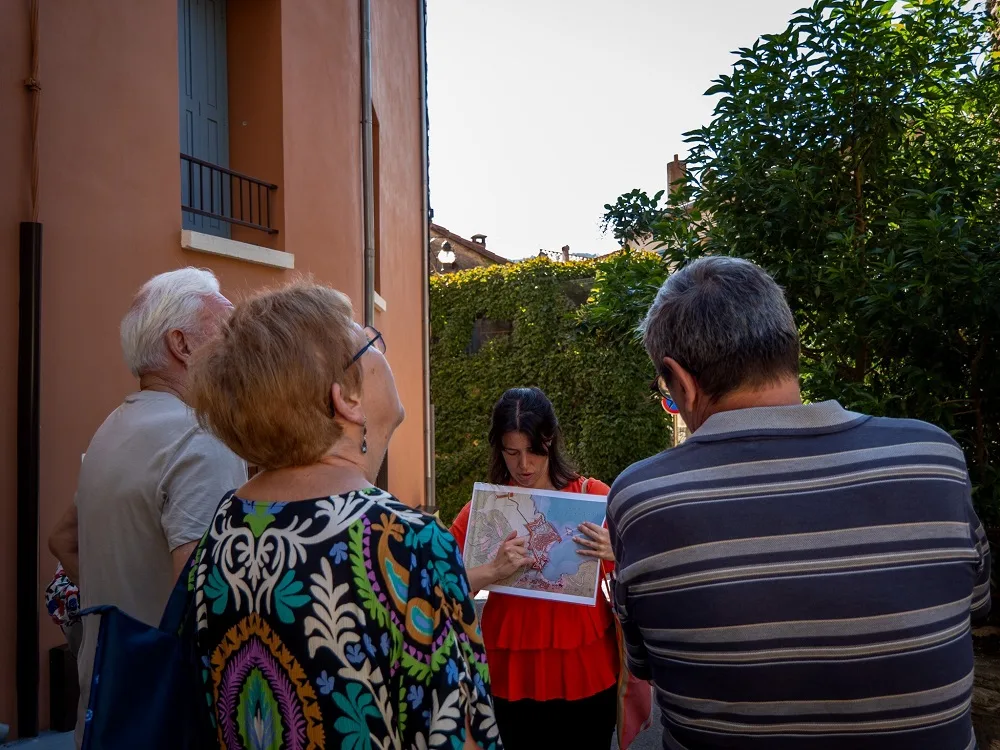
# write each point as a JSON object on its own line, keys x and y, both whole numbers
{"x": 204, "y": 111}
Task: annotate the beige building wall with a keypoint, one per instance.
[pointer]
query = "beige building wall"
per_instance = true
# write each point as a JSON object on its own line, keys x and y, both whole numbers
{"x": 110, "y": 208}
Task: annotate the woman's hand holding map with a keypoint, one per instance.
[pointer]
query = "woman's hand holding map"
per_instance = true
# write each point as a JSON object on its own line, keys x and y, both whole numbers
{"x": 596, "y": 543}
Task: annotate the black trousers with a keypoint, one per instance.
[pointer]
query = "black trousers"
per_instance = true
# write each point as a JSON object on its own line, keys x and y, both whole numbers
{"x": 586, "y": 724}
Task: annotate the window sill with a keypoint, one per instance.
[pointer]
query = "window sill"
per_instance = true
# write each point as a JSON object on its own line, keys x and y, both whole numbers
{"x": 209, "y": 243}
{"x": 380, "y": 303}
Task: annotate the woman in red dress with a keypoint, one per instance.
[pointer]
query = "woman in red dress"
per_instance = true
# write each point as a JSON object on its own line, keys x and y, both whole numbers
{"x": 554, "y": 666}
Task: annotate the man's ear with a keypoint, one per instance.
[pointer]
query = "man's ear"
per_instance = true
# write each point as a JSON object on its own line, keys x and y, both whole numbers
{"x": 683, "y": 386}
{"x": 347, "y": 405}
{"x": 179, "y": 345}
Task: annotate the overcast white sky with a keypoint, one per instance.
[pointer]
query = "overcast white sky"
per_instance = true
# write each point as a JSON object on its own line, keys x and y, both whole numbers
{"x": 542, "y": 111}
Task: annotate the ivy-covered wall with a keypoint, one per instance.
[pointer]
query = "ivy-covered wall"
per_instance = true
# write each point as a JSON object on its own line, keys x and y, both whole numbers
{"x": 539, "y": 323}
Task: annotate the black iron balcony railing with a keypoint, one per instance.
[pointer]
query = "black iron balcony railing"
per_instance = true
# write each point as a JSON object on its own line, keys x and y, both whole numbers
{"x": 219, "y": 193}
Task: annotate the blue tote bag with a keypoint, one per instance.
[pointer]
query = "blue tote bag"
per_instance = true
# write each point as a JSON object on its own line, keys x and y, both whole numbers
{"x": 147, "y": 689}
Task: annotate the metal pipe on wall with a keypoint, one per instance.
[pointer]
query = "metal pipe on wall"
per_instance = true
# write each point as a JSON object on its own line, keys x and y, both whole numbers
{"x": 28, "y": 458}
{"x": 429, "y": 494}
{"x": 367, "y": 158}
{"x": 29, "y": 343}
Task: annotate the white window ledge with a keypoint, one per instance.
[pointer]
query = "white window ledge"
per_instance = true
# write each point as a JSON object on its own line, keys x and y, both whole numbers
{"x": 209, "y": 243}
{"x": 380, "y": 303}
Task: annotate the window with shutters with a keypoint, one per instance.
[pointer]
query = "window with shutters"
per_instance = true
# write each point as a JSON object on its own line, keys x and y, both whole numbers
{"x": 204, "y": 109}
{"x": 215, "y": 198}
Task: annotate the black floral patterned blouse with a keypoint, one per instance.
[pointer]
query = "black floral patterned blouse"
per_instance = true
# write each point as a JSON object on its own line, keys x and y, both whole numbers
{"x": 340, "y": 622}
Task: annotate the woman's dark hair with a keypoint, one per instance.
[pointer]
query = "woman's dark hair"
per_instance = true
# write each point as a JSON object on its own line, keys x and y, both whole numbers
{"x": 528, "y": 410}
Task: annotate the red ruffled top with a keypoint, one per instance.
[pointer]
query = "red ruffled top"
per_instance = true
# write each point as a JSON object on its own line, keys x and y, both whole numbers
{"x": 542, "y": 650}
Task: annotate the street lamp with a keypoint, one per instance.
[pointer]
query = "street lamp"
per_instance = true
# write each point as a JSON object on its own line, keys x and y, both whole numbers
{"x": 446, "y": 256}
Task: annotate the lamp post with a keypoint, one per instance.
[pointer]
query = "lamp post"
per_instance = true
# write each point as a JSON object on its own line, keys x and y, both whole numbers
{"x": 446, "y": 256}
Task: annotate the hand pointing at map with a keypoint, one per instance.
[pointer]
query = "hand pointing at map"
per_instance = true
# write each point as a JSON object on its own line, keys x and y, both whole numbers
{"x": 511, "y": 557}
{"x": 596, "y": 543}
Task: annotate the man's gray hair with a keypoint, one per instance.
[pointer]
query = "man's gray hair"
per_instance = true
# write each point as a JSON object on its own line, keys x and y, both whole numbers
{"x": 725, "y": 321}
{"x": 168, "y": 302}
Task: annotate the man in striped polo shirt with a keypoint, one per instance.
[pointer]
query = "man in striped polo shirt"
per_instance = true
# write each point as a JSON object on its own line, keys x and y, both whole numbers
{"x": 791, "y": 576}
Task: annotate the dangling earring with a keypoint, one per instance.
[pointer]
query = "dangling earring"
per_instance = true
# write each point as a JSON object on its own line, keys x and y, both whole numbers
{"x": 364, "y": 436}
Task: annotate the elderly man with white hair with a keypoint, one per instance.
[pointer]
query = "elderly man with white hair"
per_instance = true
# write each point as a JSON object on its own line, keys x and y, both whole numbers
{"x": 140, "y": 505}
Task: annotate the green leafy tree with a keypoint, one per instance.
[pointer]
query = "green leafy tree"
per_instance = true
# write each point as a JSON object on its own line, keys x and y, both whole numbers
{"x": 856, "y": 156}
{"x": 633, "y": 216}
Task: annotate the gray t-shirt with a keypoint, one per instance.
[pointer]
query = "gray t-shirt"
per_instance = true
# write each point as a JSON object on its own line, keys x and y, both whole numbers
{"x": 150, "y": 482}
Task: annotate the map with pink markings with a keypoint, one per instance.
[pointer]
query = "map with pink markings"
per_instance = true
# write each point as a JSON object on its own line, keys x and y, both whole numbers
{"x": 550, "y": 521}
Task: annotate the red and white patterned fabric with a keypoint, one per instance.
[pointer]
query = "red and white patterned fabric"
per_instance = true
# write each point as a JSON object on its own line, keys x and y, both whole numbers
{"x": 62, "y": 599}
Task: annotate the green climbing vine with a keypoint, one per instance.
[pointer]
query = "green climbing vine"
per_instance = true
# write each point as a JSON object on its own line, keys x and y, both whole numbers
{"x": 550, "y": 325}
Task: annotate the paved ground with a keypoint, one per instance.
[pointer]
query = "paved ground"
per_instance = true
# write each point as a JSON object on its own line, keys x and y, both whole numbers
{"x": 648, "y": 740}
{"x": 45, "y": 742}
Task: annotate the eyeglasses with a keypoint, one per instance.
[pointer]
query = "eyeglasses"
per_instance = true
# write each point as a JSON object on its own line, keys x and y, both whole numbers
{"x": 374, "y": 340}
{"x": 659, "y": 387}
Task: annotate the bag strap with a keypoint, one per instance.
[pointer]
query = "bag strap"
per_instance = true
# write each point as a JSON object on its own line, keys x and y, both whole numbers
{"x": 607, "y": 578}
{"x": 182, "y": 598}
{"x": 178, "y": 605}
{"x": 100, "y": 609}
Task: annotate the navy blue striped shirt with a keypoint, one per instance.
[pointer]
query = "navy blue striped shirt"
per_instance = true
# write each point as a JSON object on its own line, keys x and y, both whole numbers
{"x": 803, "y": 577}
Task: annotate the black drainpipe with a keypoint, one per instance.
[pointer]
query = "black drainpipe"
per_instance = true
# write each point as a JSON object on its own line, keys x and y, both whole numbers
{"x": 28, "y": 421}
{"x": 29, "y": 315}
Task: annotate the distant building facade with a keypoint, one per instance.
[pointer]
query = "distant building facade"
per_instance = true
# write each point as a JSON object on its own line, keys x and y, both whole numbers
{"x": 450, "y": 252}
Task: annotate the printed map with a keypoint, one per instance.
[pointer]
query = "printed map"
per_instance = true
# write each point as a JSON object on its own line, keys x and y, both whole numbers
{"x": 550, "y": 521}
